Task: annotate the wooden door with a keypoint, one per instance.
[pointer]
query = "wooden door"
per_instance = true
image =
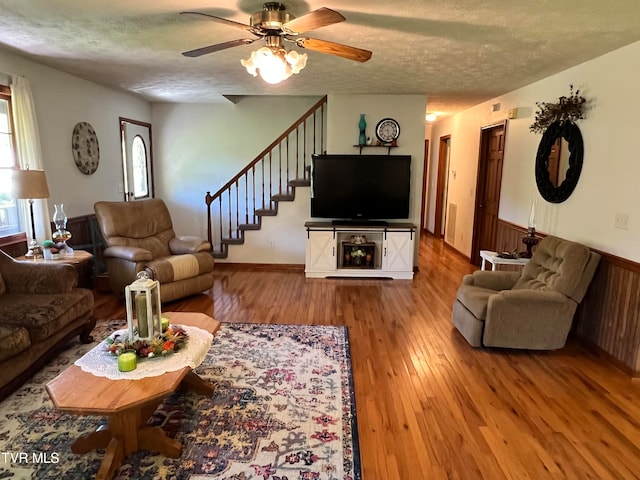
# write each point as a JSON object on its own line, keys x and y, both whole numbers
{"x": 488, "y": 190}
{"x": 441, "y": 188}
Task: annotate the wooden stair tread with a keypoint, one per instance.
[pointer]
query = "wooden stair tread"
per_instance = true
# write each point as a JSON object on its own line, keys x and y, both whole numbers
{"x": 233, "y": 241}
{"x": 266, "y": 212}
{"x": 283, "y": 197}
{"x": 299, "y": 182}
{"x": 249, "y": 226}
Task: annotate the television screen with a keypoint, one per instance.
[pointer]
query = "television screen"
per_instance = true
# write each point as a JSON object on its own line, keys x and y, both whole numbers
{"x": 360, "y": 187}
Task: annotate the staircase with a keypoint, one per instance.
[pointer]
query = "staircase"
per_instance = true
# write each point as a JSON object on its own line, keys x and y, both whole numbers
{"x": 270, "y": 178}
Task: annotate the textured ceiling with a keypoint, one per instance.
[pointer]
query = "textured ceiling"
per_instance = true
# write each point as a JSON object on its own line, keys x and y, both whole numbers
{"x": 457, "y": 52}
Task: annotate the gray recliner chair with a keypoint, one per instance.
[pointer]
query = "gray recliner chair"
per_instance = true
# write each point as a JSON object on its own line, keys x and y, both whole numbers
{"x": 140, "y": 236}
{"x": 532, "y": 309}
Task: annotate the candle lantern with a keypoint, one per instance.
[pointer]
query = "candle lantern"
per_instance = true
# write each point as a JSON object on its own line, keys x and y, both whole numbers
{"x": 530, "y": 240}
{"x": 143, "y": 308}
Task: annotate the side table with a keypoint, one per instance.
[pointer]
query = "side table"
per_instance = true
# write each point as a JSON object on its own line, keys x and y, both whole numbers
{"x": 494, "y": 260}
{"x": 81, "y": 260}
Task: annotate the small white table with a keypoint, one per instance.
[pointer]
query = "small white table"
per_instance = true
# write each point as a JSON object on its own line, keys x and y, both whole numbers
{"x": 494, "y": 260}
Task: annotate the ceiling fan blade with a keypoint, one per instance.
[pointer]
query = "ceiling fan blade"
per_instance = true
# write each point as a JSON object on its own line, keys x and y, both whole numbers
{"x": 224, "y": 21}
{"x": 312, "y": 20}
{"x": 217, "y": 47}
{"x": 352, "y": 53}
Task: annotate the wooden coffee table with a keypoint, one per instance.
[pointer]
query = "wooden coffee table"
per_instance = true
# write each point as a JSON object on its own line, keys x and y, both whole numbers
{"x": 128, "y": 404}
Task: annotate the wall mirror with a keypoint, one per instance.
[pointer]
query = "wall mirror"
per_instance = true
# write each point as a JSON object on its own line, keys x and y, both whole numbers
{"x": 559, "y": 161}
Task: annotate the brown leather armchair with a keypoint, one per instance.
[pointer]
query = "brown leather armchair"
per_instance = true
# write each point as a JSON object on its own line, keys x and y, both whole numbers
{"x": 532, "y": 309}
{"x": 140, "y": 236}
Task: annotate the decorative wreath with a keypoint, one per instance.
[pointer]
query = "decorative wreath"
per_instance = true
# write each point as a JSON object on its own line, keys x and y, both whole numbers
{"x": 171, "y": 340}
{"x": 569, "y": 108}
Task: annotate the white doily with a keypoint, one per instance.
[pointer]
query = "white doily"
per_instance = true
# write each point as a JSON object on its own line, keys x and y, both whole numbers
{"x": 100, "y": 362}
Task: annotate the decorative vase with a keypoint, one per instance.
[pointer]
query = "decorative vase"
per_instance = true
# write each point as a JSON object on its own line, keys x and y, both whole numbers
{"x": 362, "y": 125}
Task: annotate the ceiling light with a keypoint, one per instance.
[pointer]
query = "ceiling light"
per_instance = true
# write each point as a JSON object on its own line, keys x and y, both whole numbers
{"x": 274, "y": 63}
{"x": 431, "y": 117}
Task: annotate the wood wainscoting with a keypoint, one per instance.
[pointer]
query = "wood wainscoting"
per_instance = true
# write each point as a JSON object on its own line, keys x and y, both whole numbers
{"x": 608, "y": 319}
{"x": 85, "y": 235}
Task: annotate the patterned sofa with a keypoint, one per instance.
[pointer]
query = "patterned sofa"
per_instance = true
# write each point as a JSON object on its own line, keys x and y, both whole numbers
{"x": 40, "y": 311}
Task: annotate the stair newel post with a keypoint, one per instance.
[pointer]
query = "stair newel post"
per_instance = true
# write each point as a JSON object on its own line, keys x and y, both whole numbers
{"x": 229, "y": 208}
{"x": 279, "y": 169}
{"x": 297, "y": 152}
{"x": 270, "y": 192}
{"x": 237, "y": 209}
{"x": 220, "y": 221}
{"x": 304, "y": 143}
{"x": 253, "y": 194}
{"x": 207, "y": 200}
{"x": 262, "y": 163}
{"x": 246, "y": 197}
{"x": 286, "y": 183}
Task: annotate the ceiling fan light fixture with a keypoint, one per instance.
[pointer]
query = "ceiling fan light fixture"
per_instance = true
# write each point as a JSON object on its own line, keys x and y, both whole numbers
{"x": 274, "y": 64}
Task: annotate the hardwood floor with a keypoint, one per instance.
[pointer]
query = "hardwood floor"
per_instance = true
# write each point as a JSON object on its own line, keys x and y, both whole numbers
{"x": 430, "y": 406}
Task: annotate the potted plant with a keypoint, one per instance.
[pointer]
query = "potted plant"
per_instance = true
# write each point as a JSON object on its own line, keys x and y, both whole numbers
{"x": 357, "y": 254}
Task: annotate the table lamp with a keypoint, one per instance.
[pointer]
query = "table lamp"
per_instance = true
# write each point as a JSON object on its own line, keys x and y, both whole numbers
{"x": 29, "y": 185}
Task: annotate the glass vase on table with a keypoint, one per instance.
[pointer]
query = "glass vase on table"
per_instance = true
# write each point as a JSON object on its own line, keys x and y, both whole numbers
{"x": 61, "y": 236}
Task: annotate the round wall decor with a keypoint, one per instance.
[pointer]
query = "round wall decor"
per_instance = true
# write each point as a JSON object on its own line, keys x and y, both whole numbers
{"x": 387, "y": 130}
{"x": 86, "y": 151}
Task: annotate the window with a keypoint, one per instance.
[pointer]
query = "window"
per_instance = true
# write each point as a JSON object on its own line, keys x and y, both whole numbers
{"x": 9, "y": 218}
{"x": 139, "y": 160}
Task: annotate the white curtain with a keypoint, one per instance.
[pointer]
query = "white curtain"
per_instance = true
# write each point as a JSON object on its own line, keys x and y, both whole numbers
{"x": 29, "y": 152}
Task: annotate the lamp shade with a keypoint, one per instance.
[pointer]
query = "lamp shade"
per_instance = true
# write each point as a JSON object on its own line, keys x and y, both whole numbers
{"x": 29, "y": 184}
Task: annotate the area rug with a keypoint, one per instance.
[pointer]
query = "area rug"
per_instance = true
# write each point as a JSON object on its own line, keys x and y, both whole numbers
{"x": 283, "y": 409}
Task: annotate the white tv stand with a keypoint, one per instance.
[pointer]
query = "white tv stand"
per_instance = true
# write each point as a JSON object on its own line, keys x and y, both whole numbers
{"x": 334, "y": 250}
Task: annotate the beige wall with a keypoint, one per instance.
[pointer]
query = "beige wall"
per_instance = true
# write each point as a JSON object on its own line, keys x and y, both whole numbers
{"x": 61, "y": 101}
{"x": 342, "y": 131}
{"x": 609, "y": 181}
{"x": 200, "y": 147}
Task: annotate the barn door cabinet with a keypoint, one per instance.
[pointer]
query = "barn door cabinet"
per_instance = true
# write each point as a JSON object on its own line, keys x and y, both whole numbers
{"x": 360, "y": 250}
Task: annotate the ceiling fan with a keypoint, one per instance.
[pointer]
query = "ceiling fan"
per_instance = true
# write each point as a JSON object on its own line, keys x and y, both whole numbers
{"x": 275, "y": 25}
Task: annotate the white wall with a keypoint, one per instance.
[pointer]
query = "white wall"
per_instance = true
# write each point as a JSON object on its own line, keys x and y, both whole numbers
{"x": 282, "y": 239}
{"x": 200, "y": 147}
{"x": 61, "y": 101}
{"x": 342, "y": 131}
{"x": 608, "y": 183}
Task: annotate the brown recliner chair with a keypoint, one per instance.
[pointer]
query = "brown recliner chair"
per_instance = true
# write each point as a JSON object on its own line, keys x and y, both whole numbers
{"x": 532, "y": 309}
{"x": 140, "y": 236}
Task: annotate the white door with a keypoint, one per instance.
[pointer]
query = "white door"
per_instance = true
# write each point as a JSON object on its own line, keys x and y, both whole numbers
{"x": 321, "y": 252}
{"x": 137, "y": 159}
{"x": 397, "y": 254}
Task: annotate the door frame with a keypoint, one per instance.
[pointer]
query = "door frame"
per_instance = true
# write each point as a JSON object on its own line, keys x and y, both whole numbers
{"x": 481, "y": 179}
{"x": 442, "y": 176}
{"x": 122, "y": 123}
{"x": 425, "y": 175}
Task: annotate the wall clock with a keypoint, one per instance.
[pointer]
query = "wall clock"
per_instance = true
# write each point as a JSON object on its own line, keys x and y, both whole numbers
{"x": 387, "y": 130}
{"x": 85, "y": 148}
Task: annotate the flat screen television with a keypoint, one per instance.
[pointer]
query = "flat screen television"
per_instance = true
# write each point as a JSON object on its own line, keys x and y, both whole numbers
{"x": 360, "y": 187}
